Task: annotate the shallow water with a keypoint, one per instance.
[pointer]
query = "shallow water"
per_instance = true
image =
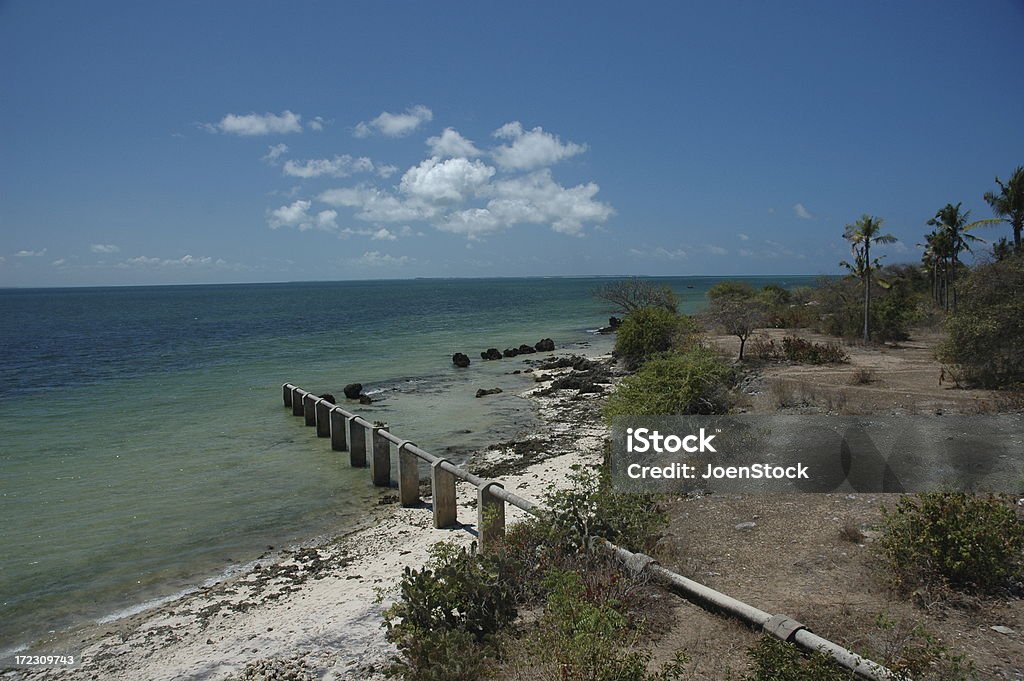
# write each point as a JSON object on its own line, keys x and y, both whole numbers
{"x": 143, "y": 441}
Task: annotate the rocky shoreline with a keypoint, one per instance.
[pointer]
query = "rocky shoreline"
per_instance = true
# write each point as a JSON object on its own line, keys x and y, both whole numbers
{"x": 315, "y": 611}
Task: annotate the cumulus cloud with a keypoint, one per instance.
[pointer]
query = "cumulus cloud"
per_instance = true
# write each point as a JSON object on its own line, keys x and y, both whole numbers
{"x": 743, "y": 237}
{"x": 58, "y": 262}
{"x": 395, "y": 124}
{"x": 254, "y": 124}
{"x": 339, "y": 166}
{"x": 104, "y": 248}
{"x": 316, "y": 124}
{"x": 801, "y": 212}
{"x": 275, "y": 152}
{"x": 451, "y": 144}
{"x": 297, "y": 215}
{"x": 531, "y": 149}
{"x": 717, "y": 250}
{"x": 375, "y": 205}
{"x": 184, "y": 261}
{"x": 453, "y": 180}
{"x": 378, "y": 259}
{"x": 30, "y": 254}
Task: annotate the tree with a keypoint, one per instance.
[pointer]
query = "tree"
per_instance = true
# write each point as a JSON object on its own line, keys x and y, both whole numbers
{"x": 953, "y": 224}
{"x": 735, "y": 308}
{"x": 630, "y": 295}
{"x": 861, "y": 235}
{"x": 1008, "y": 204}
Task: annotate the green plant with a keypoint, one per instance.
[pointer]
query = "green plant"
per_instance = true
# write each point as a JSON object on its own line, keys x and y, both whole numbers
{"x": 447, "y": 610}
{"x": 694, "y": 382}
{"x": 969, "y": 542}
{"x": 907, "y": 648}
{"x": 775, "y": 660}
{"x": 804, "y": 351}
{"x": 652, "y": 330}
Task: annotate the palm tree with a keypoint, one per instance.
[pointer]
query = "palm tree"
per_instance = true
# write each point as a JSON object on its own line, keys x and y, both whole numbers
{"x": 953, "y": 224}
{"x": 861, "y": 235}
{"x": 1008, "y": 204}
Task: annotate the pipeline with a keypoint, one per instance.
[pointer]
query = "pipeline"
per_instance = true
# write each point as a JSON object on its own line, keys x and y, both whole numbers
{"x": 778, "y": 626}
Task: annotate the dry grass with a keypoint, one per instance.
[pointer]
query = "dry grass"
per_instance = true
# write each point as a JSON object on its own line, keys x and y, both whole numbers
{"x": 862, "y": 376}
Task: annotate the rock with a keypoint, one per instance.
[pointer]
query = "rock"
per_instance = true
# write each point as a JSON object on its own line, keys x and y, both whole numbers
{"x": 490, "y": 391}
{"x": 353, "y": 390}
{"x": 1000, "y": 629}
{"x": 510, "y": 352}
{"x": 491, "y": 353}
{"x": 746, "y": 526}
{"x": 545, "y": 345}
{"x": 365, "y": 399}
{"x": 460, "y": 360}
{"x": 525, "y": 349}
{"x": 329, "y": 397}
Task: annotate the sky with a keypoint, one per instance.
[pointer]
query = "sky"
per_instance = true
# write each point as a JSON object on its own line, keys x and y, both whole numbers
{"x": 206, "y": 142}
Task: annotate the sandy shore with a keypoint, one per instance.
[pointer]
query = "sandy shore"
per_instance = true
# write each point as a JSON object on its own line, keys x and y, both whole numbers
{"x": 315, "y": 612}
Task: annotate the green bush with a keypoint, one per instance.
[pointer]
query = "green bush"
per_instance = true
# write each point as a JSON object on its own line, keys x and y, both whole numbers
{"x": 804, "y": 351}
{"x": 448, "y": 610}
{"x": 694, "y": 382}
{"x": 774, "y": 660}
{"x": 581, "y": 638}
{"x": 968, "y": 542}
{"x": 986, "y": 330}
{"x": 652, "y": 330}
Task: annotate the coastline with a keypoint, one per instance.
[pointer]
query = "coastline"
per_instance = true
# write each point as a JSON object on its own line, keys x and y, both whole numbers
{"x": 313, "y": 611}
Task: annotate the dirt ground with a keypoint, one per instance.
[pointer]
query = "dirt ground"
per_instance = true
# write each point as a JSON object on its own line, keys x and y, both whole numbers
{"x": 810, "y": 556}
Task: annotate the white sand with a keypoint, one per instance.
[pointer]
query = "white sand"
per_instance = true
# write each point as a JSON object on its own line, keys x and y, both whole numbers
{"x": 325, "y": 619}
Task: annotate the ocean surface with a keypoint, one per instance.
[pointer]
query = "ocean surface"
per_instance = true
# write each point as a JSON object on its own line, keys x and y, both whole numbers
{"x": 144, "y": 447}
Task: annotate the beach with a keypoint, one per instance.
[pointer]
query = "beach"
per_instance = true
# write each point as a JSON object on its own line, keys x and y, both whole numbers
{"x": 316, "y": 611}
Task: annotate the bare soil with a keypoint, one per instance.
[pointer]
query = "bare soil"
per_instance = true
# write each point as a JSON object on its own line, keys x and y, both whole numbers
{"x": 810, "y": 556}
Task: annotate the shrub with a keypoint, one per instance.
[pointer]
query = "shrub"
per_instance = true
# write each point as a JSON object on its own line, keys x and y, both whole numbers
{"x": 630, "y": 295}
{"x": 652, "y": 330}
{"x": 862, "y": 376}
{"x": 775, "y": 660}
{"x": 968, "y": 542}
{"x": 986, "y": 330}
{"x": 764, "y": 348}
{"x": 694, "y": 382}
{"x": 804, "y": 351}
{"x": 456, "y": 602}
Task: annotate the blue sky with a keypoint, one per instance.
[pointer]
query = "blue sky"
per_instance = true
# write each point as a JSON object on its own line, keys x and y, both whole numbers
{"x": 186, "y": 142}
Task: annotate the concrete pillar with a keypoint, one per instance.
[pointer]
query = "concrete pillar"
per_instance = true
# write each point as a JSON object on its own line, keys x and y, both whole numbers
{"x": 380, "y": 461}
{"x": 442, "y": 487}
{"x": 286, "y": 391}
{"x": 356, "y": 443}
{"x": 490, "y": 517}
{"x": 297, "y": 395}
{"x": 408, "y": 476}
{"x": 339, "y": 441}
{"x": 323, "y": 418}
{"x": 309, "y": 408}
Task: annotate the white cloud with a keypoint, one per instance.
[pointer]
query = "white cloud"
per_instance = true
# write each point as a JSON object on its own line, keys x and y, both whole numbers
{"x": 30, "y": 254}
{"x": 297, "y": 215}
{"x": 746, "y": 252}
{"x": 383, "y": 234}
{"x": 58, "y": 262}
{"x": 659, "y": 253}
{"x": 743, "y": 237}
{"x": 451, "y": 144}
{"x": 802, "y": 212}
{"x": 378, "y": 259}
{"x": 253, "y": 124}
{"x": 316, "y": 124}
{"x": 375, "y": 205}
{"x": 531, "y": 149}
{"x": 717, "y": 250}
{"x": 453, "y": 180}
{"x": 339, "y": 166}
{"x": 184, "y": 261}
{"x": 104, "y": 248}
{"x": 275, "y": 152}
{"x": 395, "y": 124}
{"x": 537, "y": 198}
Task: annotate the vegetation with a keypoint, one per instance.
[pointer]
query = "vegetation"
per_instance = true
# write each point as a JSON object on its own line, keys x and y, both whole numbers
{"x": 985, "y": 340}
{"x": 653, "y": 330}
{"x": 737, "y": 309}
{"x": 631, "y": 295}
{"x": 693, "y": 382}
{"x": 1008, "y": 204}
{"x": 954, "y": 236}
{"x": 861, "y": 235}
{"x": 806, "y": 352}
{"x": 967, "y": 542}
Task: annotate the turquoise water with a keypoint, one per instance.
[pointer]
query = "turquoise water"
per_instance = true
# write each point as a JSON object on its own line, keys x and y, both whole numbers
{"x": 143, "y": 442}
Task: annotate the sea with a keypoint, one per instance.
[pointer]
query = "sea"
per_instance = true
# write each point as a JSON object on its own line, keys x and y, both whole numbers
{"x": 145, "y": 449}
